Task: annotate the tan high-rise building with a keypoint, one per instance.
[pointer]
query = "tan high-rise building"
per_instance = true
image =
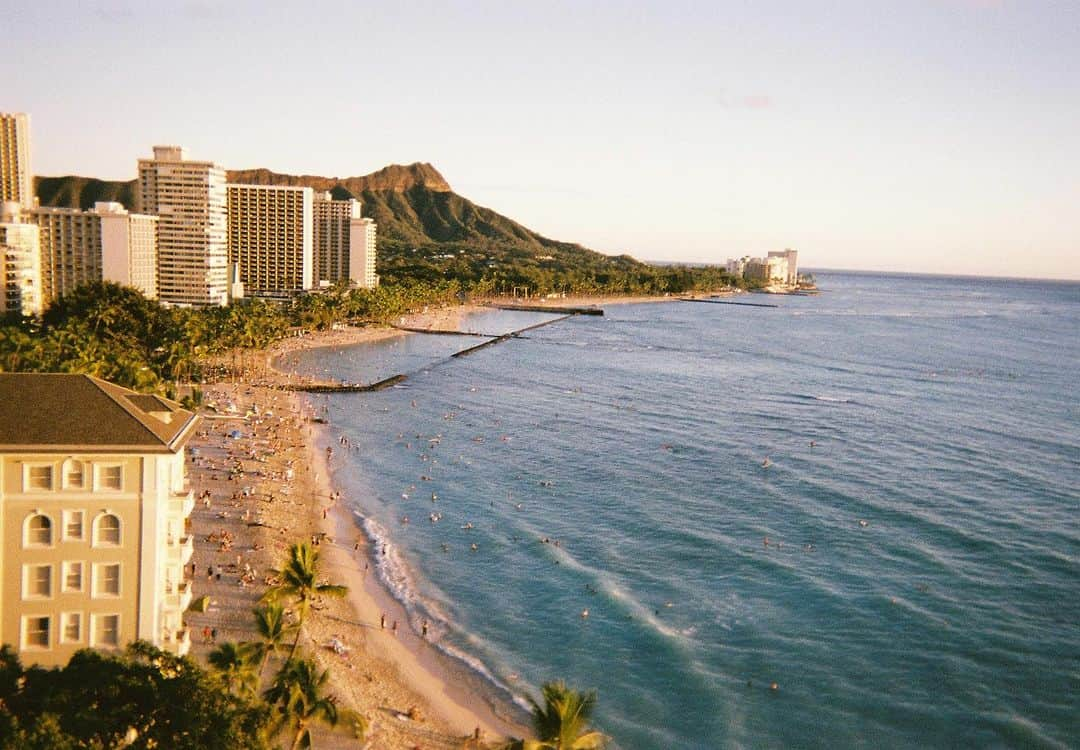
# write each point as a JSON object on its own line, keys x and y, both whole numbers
{"x": 340, "y": 233}
{"x": 106, "y": 243}
{"x": 16, "y": 180}
{"x": 20, "y": 263}
{"x": 93, "y": 517}
{"x": 270, "y": 238}
{"x": 189, "y": 199}
{"x": 129, "y": 251}
{"x": 70, "y": 249}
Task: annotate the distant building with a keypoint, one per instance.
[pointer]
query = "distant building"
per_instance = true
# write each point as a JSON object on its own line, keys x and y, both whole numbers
{"x": 792, "y": 260}
{"x": 778, "y": 268}
{"x": 344, "y": 243}
{"x": 16, "y": 180}
{"x": 362, "y": 253}
{"x": 20, "y": 263}
{"x": 93, "y": 511}
{"x": 190, "y": 200}
{"x": 70, "y": 249}
{"x": 129, "y": 248}
{"x": 270, "y": 238}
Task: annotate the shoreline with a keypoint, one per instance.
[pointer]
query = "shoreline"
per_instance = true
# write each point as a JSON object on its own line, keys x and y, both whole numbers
{"x": 282, "y": 494}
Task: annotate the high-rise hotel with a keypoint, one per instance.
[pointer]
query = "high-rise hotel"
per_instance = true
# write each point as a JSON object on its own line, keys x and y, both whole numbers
{"x": 271, "y": 238}
{"x": 16, "y": 181}
{"x": 189, "y": 198}
{"x": 344, "y": 243}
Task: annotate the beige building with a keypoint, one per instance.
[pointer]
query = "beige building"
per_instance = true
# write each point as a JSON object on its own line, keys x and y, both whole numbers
{"x": 16, "y": 180}
{"x": 20, "y": 263}
{"x": 93, "y": 517}
{"x": 791, "y": 260}
{"x": 340, "y": 234}
{"x": 70, "y": 249}
{"x": 129, "y": 250}
{"x": 270, "y": 238}
{"x": 190, "y": 200}
{"x": 362, "y": 253}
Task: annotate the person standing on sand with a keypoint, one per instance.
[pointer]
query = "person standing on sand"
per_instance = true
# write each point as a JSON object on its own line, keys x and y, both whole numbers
{"x": 394, "y": 628}
{"x": 382, "y": 621}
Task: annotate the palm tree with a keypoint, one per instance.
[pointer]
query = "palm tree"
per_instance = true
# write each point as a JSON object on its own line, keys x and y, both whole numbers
{"x": 273, "y": 630}
{"x": 297, "y": 692}
{"x": 234, "y": 663}
{"x": 562, "y": 722}
{"x": 299, "y": 582}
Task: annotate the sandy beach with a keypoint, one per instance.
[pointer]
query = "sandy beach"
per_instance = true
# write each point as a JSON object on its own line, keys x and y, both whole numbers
{"x": 261, "y": 472}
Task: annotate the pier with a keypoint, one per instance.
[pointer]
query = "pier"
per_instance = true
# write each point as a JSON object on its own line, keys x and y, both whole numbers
{"x": 326, "y": 387}
{"x": 591, "y": 310}
{"x": 727, "y": 302}
{"x": 441, "y": 332}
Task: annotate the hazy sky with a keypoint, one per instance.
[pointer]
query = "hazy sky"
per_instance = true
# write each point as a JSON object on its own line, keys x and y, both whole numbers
{"x": 921, "y": 135}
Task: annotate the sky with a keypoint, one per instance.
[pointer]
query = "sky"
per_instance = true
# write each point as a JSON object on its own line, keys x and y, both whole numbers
{"x": 938, "y": 136}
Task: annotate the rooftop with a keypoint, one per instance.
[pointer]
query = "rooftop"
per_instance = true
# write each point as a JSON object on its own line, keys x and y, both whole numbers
{"x": 54, "y": 411}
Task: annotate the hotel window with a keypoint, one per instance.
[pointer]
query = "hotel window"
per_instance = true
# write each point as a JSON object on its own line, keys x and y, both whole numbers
{"x": 74, "y": 476}
{"x": 38, "y": 531}
{"x": 71, "y": 627}
{"x": 74, "y": 525}
{"x": 106, "y": 579}
{"x": 36, "y": 632}
{"x": 37, "y": 581}
{"x": 106, "y": 630}
{"x": 39, "y": 477}
{"x": 72, "y": 577}
{"x": 110, "y": 477}
{"x": 107, "y": 530}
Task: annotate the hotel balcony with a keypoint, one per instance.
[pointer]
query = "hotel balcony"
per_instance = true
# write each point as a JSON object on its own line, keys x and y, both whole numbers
{"x": 182, "y": 503}
{"x": 178, "y": 597}
{"x": 180, "y": 548}
{"x": 176, "y": 641}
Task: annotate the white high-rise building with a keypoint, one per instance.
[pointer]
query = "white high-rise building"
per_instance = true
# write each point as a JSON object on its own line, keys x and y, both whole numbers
{"x": 20, "y": 263}
{"x": 129, "y": 251}
{"x": 792, "y": 257}
{"x": 16, "y": 180}
{"x": 189, "y": 197}
{"x": 362, "y": 253}
{"x": 270, "y": 238}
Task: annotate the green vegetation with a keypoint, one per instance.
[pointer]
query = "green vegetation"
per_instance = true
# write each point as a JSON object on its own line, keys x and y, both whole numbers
{"x": 143, "y": 698}
{"x": 562, "y": 722}
{"x": 115, "y": 333}
{"x": 299, "y": 583}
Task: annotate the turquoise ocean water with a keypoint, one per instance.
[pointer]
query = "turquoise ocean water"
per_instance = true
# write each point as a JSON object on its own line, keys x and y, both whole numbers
{"x": 921, "y": 582}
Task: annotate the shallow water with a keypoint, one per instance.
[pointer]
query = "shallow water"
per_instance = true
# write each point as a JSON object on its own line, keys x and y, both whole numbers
{"x": 920, "y": 583}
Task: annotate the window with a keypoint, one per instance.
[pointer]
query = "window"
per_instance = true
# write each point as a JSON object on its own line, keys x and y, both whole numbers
{"x": 35, "y": 632}
{"x": 38, "y": 531}
{"x": 73, "y": 475}
{"x": 37, "y": 581}
{"x": 73, "y": 525}
{"x": 39, "y": 477}
{"x": 71, "y": 627}
{"x": 106, "y": 630}
{"x": 107, "y": 579}
{"x": 110, "y": 477}
{"x": 108, "y": 529}
{"x": 73, "y": 577}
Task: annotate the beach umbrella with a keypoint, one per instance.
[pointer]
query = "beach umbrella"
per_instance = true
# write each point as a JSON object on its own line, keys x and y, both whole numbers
{"x": 199, "y": 605}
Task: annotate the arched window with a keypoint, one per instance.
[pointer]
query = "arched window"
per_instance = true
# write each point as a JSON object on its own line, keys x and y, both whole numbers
{"x": 74, "y": 475}
{"x": 38, "y": 531}
{"x": 107, "y": 529}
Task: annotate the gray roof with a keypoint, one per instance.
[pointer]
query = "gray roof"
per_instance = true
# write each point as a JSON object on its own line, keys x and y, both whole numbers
{"x": 53, "y": 411}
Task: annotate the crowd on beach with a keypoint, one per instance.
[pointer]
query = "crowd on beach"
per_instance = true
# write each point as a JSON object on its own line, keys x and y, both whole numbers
{"x": 260, "y": 486}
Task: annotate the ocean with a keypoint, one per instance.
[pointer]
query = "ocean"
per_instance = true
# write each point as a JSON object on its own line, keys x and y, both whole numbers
{"x": 847, "y": 521}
